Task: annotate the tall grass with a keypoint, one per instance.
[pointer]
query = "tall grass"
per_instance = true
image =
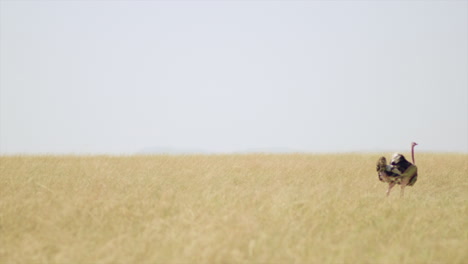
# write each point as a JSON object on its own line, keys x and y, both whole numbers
{"x": 293, "y": 208}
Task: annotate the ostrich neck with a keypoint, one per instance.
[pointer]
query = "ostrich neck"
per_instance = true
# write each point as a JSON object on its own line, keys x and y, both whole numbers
{"x": 412, "y": 154}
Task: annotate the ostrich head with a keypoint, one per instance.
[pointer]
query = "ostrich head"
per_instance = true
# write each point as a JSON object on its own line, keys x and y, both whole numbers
{"x": 413, "y": 144}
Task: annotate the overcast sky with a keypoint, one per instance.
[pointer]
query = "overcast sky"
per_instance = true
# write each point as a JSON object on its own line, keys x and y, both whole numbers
{"x": 119, "y": 77}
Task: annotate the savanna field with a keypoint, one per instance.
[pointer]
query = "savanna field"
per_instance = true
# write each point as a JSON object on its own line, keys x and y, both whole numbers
{"x": 253, "y": 208}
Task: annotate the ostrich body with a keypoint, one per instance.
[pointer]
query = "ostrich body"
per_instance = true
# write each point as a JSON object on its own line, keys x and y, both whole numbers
{"x": 400, "y": 171}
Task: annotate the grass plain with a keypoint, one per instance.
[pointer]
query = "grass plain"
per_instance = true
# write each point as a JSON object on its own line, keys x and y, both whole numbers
{"x": 252, "y": 208}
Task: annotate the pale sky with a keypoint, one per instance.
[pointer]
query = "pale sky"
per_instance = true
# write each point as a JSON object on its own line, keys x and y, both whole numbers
{"x": 118, "y": 77}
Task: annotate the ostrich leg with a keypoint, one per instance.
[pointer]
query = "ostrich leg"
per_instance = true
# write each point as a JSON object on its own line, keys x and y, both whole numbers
{"x": 390, "y": 186}
{"x": 404, "y": 182}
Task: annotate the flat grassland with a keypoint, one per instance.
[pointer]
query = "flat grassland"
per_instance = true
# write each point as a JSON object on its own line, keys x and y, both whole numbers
{"x": 253, "y": 208}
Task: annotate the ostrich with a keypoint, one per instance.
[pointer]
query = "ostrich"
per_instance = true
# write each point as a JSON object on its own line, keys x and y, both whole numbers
{"x": 400, "y": 171}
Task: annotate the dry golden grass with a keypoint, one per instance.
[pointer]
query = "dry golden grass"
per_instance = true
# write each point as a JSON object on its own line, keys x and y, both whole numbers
{"x": 230, "y": 209}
